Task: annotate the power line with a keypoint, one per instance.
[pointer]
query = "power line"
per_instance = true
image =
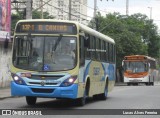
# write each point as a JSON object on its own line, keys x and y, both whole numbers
{"x": 89, "y": 6}
{"x": 68, "y": 12}
{"x": 82, "y": 14}
{"x": 42, "y": 5}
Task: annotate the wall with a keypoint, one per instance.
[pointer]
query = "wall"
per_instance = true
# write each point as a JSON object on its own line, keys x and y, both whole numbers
{"x": 5, "y": 61}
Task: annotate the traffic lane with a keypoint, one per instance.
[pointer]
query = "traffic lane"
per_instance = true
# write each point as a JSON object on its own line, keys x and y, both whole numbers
{"x": 122, "y": 97}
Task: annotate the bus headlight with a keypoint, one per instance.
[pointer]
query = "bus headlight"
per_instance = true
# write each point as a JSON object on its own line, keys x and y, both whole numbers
{"x": 17, "y": 79}
{"x": 68, "y": 82}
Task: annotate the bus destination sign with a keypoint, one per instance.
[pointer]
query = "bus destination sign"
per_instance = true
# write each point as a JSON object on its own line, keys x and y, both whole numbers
{"x": 135, "y": 58}
{"x": 46, "y": 27}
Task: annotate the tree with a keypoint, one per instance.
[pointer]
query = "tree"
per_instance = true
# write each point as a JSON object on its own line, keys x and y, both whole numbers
{"x": 37, "y": 15}
{"x": 134, "y": 34}
{"x": 15, "y": 17}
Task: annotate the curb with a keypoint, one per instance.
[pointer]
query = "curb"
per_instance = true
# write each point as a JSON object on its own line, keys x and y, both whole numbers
{"x": 2, "y": 98}
{"x": 5, "y": 93}
{"x": 120, "y": 84}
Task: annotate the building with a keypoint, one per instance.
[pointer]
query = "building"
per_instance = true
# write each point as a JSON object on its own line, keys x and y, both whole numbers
{"x": 60, "y": 9}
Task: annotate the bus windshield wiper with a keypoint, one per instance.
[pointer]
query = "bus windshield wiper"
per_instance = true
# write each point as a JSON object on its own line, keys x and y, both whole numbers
{"x": 57, "y": 42}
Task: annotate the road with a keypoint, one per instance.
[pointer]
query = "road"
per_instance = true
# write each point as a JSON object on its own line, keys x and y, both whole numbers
{"x": 122, "y": 97}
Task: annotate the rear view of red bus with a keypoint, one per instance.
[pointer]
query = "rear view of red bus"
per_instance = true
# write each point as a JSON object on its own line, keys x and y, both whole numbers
{"x": 139, "y": 69}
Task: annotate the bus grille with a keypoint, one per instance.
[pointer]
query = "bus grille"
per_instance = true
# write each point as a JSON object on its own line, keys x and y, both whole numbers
{"x": 38, "y": 90}
{"x": 39, "y": 83}
{"x": 46, "y": 77}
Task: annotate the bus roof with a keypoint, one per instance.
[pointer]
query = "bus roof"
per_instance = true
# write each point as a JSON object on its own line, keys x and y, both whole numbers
{"x": 81, "y": 26}
{"x": 138, "y": 57}
{"x": 96, "y": 33}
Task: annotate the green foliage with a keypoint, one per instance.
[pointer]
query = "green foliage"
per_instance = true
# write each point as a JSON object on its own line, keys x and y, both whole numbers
{"x": 134, "y": 34}
{"x": 15, "y": 17}
{"x": 37, "y": 15}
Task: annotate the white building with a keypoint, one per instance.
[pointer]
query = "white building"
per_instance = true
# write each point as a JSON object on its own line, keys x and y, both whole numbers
{"x": 60, "y": 9}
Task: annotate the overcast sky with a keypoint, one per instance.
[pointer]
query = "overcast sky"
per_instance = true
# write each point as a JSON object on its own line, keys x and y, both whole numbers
{"x": 135, "y": 6}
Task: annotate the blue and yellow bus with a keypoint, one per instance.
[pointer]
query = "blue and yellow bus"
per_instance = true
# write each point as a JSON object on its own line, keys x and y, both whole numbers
{"x": 61, "y": 59}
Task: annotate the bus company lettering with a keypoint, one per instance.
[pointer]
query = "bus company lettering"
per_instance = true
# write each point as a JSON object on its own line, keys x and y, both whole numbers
{"x": 97, "y": 50}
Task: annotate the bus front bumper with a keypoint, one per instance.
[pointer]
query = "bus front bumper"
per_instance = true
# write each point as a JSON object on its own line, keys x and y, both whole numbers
{"x": 43, "y": 91}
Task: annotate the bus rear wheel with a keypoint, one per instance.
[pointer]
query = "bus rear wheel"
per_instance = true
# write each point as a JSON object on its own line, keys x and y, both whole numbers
{"x": 149, "y": 83}
{"x": 31, "y": 100}
{"x": 104, "y": 95}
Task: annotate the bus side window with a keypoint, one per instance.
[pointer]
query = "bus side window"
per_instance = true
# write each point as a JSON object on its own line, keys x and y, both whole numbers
{"x": 87, "y": 46}
{"x": 107, "y": 52}
{"x": 103, "y": 55}
{"x": 114, "y": 53}
{"x": 82, "y": 53}
{"x": 97, "y": 49}
{"x": 93, "y": 47}
{"x": 110, "y": 52}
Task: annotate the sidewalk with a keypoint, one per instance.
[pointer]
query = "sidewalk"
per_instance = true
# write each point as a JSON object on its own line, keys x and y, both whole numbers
{"x": 5, "y": 93}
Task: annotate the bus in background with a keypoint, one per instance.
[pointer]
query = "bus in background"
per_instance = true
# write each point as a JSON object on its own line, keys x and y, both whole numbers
{"x": 139, "y": 69}
{"x": 61, "y": 59}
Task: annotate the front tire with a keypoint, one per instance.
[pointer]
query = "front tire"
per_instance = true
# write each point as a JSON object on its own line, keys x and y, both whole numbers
{"x": 82, "y": 101}
{"x": 31, "y": 100}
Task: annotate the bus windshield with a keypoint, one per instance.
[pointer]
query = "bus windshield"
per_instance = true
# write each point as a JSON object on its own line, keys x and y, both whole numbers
{"x": 44, "y": 53}
{"x": 135, "y": 67}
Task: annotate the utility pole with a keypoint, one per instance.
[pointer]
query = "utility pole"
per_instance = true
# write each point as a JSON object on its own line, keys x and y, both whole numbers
{"x": 95, "y": 8}
{"x": 41, "y": 9}
{"x": 94, "y": 15}
{"x": 69, "y": 13}
{"x": 28, "y": 9}
{"x": 150, "y": 8}
{"x": 127, "y": 7}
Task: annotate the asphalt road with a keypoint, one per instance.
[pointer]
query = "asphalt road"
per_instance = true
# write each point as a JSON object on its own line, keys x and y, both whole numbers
{"x": 122, "y": 97}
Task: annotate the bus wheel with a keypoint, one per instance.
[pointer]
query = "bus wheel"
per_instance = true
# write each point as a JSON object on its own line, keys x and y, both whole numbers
{"x": 31, "y": 100}
{"x": 147, "y": 83}
{"x": 128, "y": 84}
{"x": 82, "y": 101}
{"x": 104, "y": 95}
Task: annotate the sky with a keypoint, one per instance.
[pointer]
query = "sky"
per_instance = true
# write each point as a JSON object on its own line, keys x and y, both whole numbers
{"x": 135, "y": 6}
